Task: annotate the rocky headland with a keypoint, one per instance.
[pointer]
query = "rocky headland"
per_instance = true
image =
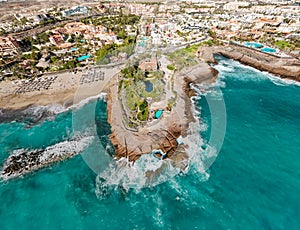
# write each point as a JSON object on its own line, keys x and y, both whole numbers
{"x": 162, "y": 135}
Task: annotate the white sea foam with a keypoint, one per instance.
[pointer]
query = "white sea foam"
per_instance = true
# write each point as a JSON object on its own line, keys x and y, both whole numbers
{"x": 87, "y": 100}
{"x": 223, "y": 67}
{"x": 66, "y": 147}
{"x": 133, "y": 176}
{"x": 50, "y": 154}
{"x": 55, "y": 109}
{"x": 282, "y": 82}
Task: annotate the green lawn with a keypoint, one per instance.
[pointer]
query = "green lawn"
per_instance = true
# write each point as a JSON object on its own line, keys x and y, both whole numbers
{"x": 132, "y": 98}
{"x": 284, "y": 45}
{"x": 184, "y": 57}
{"x": 136, "y": 96}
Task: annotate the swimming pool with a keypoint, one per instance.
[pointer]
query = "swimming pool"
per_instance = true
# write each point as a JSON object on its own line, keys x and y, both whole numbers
{"x": 158, "y": 114}
{"x": 253, "y": 44}
{"x": 268, "y": 50}
{"x": 82, "y": 58}
{"x": 142, "y": 44}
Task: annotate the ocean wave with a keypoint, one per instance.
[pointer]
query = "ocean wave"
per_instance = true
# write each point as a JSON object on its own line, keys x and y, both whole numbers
{"x": 36, "y": 114}
{"x": 149, "y": 171}
{"x": 85, "y": 101}
{"x": 281, "y": 81}
{"x": 225, "y": 66}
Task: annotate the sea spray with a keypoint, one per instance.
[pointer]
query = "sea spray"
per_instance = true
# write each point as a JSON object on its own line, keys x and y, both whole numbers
{"x": 150, "y": 171}
{"x": 147, "y": 171}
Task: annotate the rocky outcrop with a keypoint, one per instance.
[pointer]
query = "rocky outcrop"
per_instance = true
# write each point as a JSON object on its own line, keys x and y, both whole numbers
{"x": 283, "y": 67}
{"x": 132, "y": 145}
{"x": 24, "y": 161}
{"x": 162, "y": 139}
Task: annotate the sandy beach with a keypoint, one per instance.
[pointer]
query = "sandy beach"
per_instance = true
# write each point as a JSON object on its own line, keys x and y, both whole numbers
{"x": 65, "y": 89}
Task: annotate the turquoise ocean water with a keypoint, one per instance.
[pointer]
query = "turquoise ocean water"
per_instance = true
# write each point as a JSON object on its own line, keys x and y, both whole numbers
{"x": 253, "y": 184}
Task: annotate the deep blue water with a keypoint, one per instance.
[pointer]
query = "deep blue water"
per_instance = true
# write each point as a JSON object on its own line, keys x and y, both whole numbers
{"x": 253, "y": 184}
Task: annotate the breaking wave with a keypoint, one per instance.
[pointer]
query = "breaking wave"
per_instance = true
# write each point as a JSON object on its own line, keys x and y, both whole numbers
{"x": 22, "y": 161}
{"x": 85, "y": 101}
{"x": 149, "y": 171}
{"x": 226, "y": 66}
{"x": 282, "y": 82}
{"x": 35, "y": 114}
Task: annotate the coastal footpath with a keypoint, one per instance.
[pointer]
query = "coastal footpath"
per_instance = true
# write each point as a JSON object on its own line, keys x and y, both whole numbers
{"x": 285, "y": 67}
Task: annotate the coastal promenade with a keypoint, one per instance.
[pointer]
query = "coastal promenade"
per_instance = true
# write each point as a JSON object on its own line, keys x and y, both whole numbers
{"x": 66, "y": 84}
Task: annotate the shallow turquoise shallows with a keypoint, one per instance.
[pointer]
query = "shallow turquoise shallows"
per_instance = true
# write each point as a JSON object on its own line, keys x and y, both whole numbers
{"x": 253, "y": 184}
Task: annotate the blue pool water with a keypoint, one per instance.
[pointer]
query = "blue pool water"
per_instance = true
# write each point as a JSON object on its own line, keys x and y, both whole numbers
{"x": 253, "y": 44}
{"x": 268, "y": 50}
{"x": 158, "y": 114}
{"x": 142, "y": 44}
{"x": 253, "y": 184}
{"x": 148, "y": 86}
{"x": 84, "y": 57}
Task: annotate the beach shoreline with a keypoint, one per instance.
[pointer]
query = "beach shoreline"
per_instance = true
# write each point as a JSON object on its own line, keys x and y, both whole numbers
{"x": 67, "y": 85}
{"x": 66, "y": 89}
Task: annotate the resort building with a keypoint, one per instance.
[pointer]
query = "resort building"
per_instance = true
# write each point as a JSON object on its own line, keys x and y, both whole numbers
{"x": 76, "y": 10}
{"x": 8, "y": 46}
{"x": 149, "y": 64}
{"x": 141, "y": 9}
{"x": 75, "y": 28}
{"x": 58, "y": 41}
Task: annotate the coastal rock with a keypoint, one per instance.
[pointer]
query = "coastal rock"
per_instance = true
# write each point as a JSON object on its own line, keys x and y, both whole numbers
{"x": 132, "y": 144}
{"x": 165, "y": 140}
{"x": 24, "y": 161}
{"x": 285, "y": 67}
